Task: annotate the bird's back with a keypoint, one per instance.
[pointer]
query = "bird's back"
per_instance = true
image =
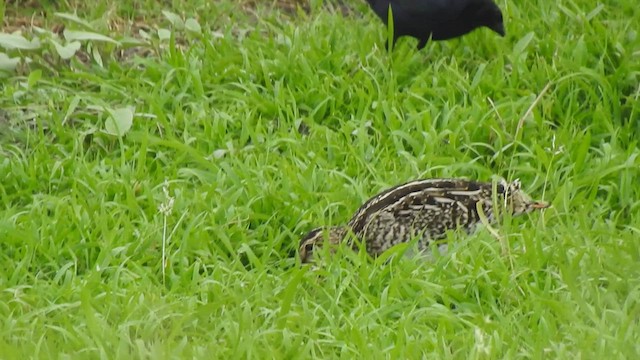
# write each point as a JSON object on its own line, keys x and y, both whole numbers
{"x": 419, "y": 10}
{"x": 438, "y": 19}
{"x": 429, "y": 194}
{"x": 426, "y": 208}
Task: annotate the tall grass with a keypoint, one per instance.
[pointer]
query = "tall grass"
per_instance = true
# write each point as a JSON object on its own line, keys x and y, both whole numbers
{"x": 255, "y": 125}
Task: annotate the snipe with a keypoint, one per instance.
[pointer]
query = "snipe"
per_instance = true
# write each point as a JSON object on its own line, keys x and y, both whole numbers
{"x": 423, "y": 209}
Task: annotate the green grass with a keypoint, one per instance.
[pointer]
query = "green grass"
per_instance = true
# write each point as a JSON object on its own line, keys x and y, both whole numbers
{"x": 263, "y": 129}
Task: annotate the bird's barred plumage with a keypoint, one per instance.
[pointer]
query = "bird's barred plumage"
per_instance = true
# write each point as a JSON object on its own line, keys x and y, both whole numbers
{"x": 423, "y": 209}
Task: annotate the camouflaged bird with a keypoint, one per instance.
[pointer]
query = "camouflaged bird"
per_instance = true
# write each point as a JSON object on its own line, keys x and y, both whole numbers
{"x": 423, "y": 209}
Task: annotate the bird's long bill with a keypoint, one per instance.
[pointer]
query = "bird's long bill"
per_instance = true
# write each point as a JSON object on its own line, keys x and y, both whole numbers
{"x": 540, "y": 205}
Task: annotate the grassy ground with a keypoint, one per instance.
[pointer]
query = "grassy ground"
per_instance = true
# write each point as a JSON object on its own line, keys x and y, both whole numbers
{"x": 251, "y": 124}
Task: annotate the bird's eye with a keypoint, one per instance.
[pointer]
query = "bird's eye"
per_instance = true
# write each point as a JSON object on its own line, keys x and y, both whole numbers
{"x": 308, "y": 248}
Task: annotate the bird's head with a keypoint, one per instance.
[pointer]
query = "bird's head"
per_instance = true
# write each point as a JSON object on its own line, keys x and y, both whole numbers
{"x": 489, "y": 15}
{"x": 317, "y": 238}
{"x": 518, "y": 201}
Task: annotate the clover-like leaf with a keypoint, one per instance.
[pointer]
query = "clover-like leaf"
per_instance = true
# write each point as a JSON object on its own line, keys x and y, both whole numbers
{"x": 119, "y": 121}
{"x": 67, "y": 51}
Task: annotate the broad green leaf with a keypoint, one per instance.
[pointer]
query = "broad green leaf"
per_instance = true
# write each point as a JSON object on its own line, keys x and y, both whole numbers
{"x": 164, "y": 34}
{"x": 72, "y": 35}
{"x": 174, "y": 19}
{"x": 193, "y": 26}
{"x": 74, "y": 18}
{"x": 120, "y": 120}
{"x": 15, "y": 41}
{"x": 67, "y": 51}
{"x": 8, "y": 63}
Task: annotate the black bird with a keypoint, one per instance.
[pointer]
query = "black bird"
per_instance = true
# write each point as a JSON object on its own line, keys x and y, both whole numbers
{"x": 438, "y": 19}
